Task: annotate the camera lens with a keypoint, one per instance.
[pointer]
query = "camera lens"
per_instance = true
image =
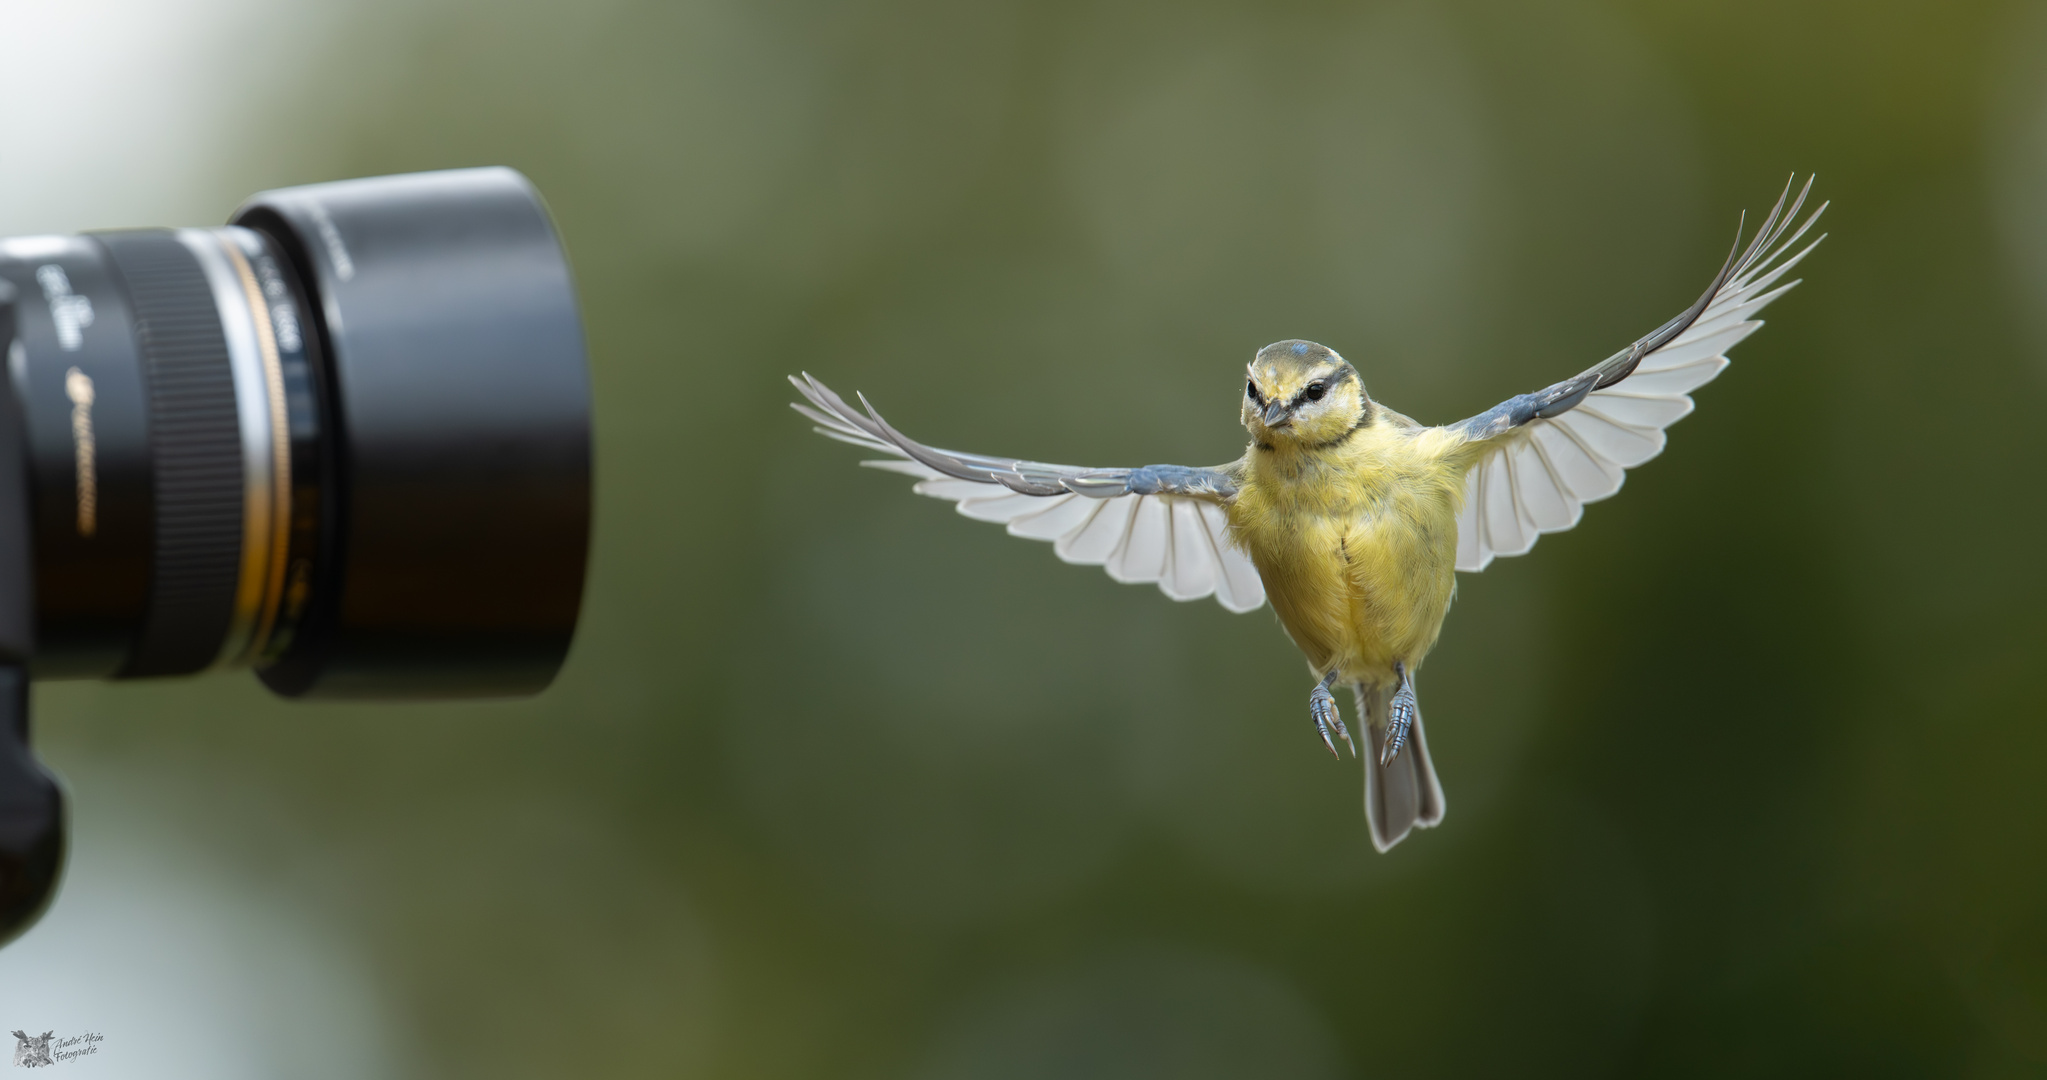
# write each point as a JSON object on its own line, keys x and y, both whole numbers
{"x": 343, "y": 440}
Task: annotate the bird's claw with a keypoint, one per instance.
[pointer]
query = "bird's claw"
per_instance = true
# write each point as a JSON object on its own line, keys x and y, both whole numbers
{"x": 1329, "y": 722}
{"x": 1399, "y": 721}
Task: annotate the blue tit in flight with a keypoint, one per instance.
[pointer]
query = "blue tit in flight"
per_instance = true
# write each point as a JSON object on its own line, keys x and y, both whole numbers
{"x": 1350, "y": 517}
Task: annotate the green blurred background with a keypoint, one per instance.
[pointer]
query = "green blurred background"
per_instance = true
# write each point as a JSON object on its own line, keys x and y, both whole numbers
{"x": 1745, "y": 773}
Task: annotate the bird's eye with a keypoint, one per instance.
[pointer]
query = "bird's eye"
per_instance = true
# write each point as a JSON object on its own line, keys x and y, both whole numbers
{"x": 1316, "y": 390}
{"x": 1251, "y": 389}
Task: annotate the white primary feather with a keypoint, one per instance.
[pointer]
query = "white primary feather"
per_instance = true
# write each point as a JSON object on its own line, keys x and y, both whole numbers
{"x": 1067, "y": 513}
{"x": 1538, "y": 477}
{"x": 1193, "y": 573}
{"x": 1000, "y": 505}
{"x": 1093, "y": 543}
{"x": 1146, "y": 545}
{"x": 1237, "y": 584}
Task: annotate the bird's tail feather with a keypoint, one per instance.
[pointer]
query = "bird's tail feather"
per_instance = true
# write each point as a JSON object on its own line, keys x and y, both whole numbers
{"x": 1405, "y": 794}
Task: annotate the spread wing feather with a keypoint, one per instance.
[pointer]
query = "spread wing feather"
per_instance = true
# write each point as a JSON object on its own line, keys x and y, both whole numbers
{"x": 1177, "y": 539}
{"x": 1541, "y": 471}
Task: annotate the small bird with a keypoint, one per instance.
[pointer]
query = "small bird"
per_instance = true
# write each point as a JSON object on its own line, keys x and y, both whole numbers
{"x": 1352, "y": 518}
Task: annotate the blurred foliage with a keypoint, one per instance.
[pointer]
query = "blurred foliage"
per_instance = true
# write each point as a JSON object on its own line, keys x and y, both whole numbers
{"x": 1744, "y": 773}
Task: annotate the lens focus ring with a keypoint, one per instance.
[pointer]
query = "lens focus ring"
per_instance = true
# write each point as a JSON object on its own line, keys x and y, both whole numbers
{"x": 196, "y": 442}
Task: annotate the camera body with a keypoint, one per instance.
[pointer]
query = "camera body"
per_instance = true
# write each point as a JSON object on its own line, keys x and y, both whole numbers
{"x": 343, "y": 440}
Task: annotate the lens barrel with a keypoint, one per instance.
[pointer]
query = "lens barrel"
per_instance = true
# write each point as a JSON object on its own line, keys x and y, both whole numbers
{"x": 344, "y": 440}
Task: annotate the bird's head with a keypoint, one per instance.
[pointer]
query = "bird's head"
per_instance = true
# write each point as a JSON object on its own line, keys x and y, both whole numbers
{"x": 1301, "y": 393}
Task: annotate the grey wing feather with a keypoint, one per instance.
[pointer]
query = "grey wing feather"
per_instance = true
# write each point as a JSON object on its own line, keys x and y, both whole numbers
{"x": 1158, "y": 523}
{"x": 840, "y": 421}
{"x": 1549, "y": 453}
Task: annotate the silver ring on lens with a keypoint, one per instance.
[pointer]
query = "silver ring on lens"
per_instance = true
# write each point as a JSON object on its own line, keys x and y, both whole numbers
{"x": 245, "y": 319}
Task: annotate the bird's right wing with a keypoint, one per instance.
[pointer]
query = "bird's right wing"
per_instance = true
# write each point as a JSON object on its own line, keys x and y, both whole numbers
{"x": 1159, "y": 523}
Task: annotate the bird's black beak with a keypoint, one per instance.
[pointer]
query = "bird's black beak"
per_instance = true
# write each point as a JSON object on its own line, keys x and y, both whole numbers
{"x": 1274, "y": 413}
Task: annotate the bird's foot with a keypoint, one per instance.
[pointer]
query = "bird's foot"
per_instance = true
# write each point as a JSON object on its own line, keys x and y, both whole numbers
{"x": 1400, "y": 717}
{"x": 1322, "y": 705}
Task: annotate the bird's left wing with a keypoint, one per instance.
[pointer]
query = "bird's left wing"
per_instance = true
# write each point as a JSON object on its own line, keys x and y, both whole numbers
{"x": 1544, "y": 455}
{"x": 1159, "y": 523}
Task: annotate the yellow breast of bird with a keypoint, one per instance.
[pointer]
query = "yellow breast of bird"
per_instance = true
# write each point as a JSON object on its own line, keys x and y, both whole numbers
{"x": 1357, "y": 545}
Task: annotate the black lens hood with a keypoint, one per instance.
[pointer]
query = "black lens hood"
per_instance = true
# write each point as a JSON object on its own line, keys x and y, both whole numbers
{"x": 455, "y": 505}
